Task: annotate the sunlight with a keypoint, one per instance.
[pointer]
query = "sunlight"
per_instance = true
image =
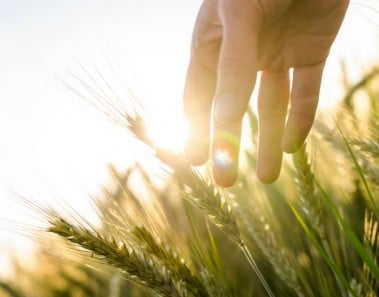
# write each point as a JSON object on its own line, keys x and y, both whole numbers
{"x": 168, "y": 132}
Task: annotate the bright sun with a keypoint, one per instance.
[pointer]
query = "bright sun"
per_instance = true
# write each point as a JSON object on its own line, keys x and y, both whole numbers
{"x": 168, "y": 132}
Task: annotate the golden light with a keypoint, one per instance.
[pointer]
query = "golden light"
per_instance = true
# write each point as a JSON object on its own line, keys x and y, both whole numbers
{"x": 168, "y": 132}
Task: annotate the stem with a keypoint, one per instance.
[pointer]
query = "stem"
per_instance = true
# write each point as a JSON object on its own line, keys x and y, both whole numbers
{"x": 256, "y": 269}
{"x": 328, "y": 251}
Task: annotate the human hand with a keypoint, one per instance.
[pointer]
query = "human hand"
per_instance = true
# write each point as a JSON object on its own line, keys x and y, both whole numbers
{"x": 232, "y": 40}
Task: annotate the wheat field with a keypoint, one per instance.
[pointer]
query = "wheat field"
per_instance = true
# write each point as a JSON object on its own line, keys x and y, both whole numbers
{"x": 312, "y": 233}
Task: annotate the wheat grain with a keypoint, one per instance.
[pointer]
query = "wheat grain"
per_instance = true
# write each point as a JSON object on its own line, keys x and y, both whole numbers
{"x": 309, "y": 200}
{"x": 135, "y": 265}
{"x": 171, "y": 260}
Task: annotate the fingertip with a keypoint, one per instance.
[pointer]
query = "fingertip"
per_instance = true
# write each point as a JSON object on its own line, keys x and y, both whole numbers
{"x": 272, "y": 107}
{"x": 295, "y": 133}
{"x": 267, "y": 176}
{"x": 290, "y": 146}
{"x": 304, "y": 100}
{"x": 269, "y": 164}
{"x": 225, "y": 181}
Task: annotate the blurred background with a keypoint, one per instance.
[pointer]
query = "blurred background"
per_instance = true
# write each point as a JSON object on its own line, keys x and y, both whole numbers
{"x": 53, "y": 144}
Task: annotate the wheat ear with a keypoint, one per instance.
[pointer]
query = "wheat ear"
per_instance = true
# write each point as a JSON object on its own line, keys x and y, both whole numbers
{"x": 305, "y": 185}
{"x": 134, "y": 265}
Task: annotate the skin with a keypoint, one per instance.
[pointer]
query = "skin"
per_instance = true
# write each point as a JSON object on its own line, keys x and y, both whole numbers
{"x": 232, "y": 41}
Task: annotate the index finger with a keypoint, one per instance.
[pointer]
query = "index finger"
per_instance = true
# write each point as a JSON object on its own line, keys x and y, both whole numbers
{"x": 235, "y": 81}
{"x": 201, "y": 82}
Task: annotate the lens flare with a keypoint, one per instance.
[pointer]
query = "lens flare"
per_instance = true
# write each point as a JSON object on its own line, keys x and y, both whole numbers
{"x": 225, "y": 150}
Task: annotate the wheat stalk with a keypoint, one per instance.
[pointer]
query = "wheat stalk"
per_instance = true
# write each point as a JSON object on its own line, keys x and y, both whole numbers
{"x": 135, "y": 265}
{"x": 371, "y": 242}
{"x": 310, "y": 202}
{"x": 7, "y": 288}
{"x": 204, "y": 195}
{"x": 370, "y": 147}
{"x": 171, "y": 260}
{"x": 307, "y": 192}
{"x": 262, "y": 235}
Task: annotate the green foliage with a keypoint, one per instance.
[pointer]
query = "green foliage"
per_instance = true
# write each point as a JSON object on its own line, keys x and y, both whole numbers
{"x": 312, "y": 233}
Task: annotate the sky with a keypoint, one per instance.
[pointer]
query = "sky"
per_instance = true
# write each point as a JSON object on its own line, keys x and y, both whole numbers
{"x": 52, "y": 143}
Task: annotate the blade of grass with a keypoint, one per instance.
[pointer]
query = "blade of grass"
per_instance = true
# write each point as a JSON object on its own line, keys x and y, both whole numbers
{"x": 4, "y": 287}
{"x": 255, "y": 267}
{"x": 359, "y": 248}
{"x": 322, "y": 251}
{"x": 360, "y": 172}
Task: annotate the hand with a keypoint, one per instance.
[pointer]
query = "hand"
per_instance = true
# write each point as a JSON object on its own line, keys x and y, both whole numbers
{"x": 232, "y": 40}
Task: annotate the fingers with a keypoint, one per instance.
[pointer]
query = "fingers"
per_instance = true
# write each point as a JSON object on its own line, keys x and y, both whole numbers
{"x": 304, "y": 99}
{"x": 235, "y": 81}
{"x": 198, "y": 94}
{"x": 272, "y": 109}
{"x": 201, "y": 82}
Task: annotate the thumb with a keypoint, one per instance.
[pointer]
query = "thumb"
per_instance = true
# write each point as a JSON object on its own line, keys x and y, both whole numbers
{"x": 236, "y": 77}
